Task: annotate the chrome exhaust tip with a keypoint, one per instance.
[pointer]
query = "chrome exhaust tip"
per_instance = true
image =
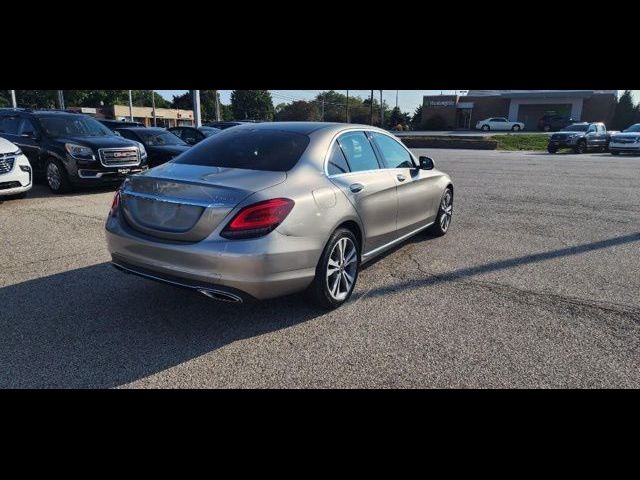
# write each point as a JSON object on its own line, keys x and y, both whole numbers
{"x": 220, "y": 296}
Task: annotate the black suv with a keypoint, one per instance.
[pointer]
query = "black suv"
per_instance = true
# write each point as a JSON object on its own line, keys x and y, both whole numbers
{"x": 70, "y": 148}
{"x": 553, "y": 123}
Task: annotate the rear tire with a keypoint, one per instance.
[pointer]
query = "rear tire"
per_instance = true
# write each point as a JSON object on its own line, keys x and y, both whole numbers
{"x": 516, "y": 128}
{"x": 552, "y": 150}
{"x": 485, "y": 128}
{"x": 56, "y": 176}
{"x": 615, "y": 153}
{"x": 444, "y": 216}
{"x": 337, "y": 270}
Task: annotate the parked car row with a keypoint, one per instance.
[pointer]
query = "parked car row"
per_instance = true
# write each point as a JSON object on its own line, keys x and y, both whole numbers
{"x": 68, "y": 149}
{"x": 582, "y": 137}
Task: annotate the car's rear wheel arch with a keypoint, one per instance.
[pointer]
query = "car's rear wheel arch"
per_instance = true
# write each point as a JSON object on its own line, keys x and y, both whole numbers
{"x": 355, "y": 229}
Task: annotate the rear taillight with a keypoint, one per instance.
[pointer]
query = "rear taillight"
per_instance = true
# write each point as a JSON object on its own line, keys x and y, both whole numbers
{"x": 115, "y": 204}
{"x": 258, "y": 219}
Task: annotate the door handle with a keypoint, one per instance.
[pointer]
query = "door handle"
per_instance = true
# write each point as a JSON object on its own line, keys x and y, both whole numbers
{"x": 401, "y": 177}
{"x": 356, "y": 187}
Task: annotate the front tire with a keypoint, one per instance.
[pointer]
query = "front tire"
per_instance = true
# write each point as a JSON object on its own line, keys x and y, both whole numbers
{"x": 581, "y": 147}
{"x": 444, "y": 216}
{"x": 515, "y": 128}
{"x": 552, "y": 150}
{"x": 56, "y": 176}
{"x": 337, "y": 270}
{"x": 615, "y": 153}
{"x": 485, "y": 128}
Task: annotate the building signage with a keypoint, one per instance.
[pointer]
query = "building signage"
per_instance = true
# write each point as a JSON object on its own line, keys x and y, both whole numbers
{"x": 441, "y": 103}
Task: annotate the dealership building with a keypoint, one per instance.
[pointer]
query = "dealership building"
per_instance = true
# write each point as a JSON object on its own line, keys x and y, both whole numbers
{"x": 164, "y": 117}
{"x": 527, "y": 106}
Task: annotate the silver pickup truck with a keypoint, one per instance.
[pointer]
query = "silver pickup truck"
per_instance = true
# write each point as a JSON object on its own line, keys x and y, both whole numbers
{"x": 581, "y": 137}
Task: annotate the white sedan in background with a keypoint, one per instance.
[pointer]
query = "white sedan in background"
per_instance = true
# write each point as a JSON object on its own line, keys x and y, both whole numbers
{"x": 499, "y": 123}
{"x": 16, "y": 176}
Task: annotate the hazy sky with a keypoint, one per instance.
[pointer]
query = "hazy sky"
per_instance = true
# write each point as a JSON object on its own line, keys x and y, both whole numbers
{"x": 408, "y": 100}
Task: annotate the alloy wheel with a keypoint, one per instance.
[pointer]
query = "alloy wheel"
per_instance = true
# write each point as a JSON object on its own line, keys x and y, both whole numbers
{"x": 54, "y": 178}
{"x": 341, "y": 268}
{"x": 446, "y": 211}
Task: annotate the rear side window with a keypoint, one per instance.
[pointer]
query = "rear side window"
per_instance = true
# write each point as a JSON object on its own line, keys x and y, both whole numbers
{"x": 359, "y": 152}
{"x": 394, "y": 155}
{"x": 268, "y": 150}
{"x": 9, "y": 125}
{"x": 337, "y": 164}
{"x": 27, "y": 128}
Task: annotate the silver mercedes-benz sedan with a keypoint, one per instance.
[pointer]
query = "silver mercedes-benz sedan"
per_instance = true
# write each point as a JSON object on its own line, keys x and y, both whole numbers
{"x": 268, "y": 209}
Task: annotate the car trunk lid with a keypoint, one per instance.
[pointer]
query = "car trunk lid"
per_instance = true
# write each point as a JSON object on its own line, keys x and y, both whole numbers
{"x": 187, "y": 202}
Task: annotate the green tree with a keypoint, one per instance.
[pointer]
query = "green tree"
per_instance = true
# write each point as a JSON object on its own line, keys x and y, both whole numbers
{"x": 252, "y": 105}
{"x": 5, "y": 99}
{"x": 625, "y": 113}
{"x": 225, "y": 112}
{"x": 182, "y": 102}
{"x": 396, "y": 117}
{"x": 298, "y": 111}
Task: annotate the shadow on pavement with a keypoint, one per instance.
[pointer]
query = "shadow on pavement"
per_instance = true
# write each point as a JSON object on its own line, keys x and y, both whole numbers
{"x": 96, "y": 327}
{"x": 509, "y": 263}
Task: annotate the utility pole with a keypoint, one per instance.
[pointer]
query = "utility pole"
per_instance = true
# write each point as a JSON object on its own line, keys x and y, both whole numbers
{"x": 130, "y": 107}
{"x": 13, "y": 98}
{"x": 347, "y": 109}
{"x": 322, "y": 95}
{"x": 217, "y": 106}
{"x": 371, "y": 110}
{"x": 396, "y": 98}
{"x": 61, "y": 99}
{"x": 153, "y": 105}
{"x": 196, "y": 108}
{"x": 381, "y": 111}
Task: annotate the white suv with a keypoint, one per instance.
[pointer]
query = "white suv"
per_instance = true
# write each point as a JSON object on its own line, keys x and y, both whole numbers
{"x": 16, "y": 175}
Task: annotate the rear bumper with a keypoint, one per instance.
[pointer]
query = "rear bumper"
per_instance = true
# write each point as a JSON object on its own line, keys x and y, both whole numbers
{"x": 267, "y": 267}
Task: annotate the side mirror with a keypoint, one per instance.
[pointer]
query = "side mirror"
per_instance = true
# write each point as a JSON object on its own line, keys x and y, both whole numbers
{"x": 426, "y": 163}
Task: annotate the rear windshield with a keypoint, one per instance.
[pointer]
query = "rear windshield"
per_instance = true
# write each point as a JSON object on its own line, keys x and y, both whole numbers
{"x": 270, "y": 150}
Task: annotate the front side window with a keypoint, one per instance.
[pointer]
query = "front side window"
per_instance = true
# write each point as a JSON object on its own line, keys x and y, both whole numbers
{"x": 9, "y": 125}
{"x": 73, "y": 126}
{"x": 394, "y": 155}
{"x": 359, "y": 152}
{"x": 268, "y": 150}
{"x": 27, "y": 128}
{"x": 337, "y": 164}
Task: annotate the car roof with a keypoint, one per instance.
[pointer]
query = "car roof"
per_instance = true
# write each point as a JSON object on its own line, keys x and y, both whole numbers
{"x": 304, "y": 128}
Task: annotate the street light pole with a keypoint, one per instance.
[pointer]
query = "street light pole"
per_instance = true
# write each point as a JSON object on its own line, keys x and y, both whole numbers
{"x": 347, "y": 109}
{"x": 153, "y": 105}
{"x": 217, "y": 106}
{"x": 13, "y": 99}
{"x": 130, "y": 107}
{"x": 322, "y": 95}
{"x": 61, "y": 99}
{"x": 381, "y": 111}
{"x": 196, "y": 108}
{"x": 371, "y": 110}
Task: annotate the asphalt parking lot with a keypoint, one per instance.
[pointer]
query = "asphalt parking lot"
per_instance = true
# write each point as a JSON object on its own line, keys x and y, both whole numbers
{"x": 537, "y": 284}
